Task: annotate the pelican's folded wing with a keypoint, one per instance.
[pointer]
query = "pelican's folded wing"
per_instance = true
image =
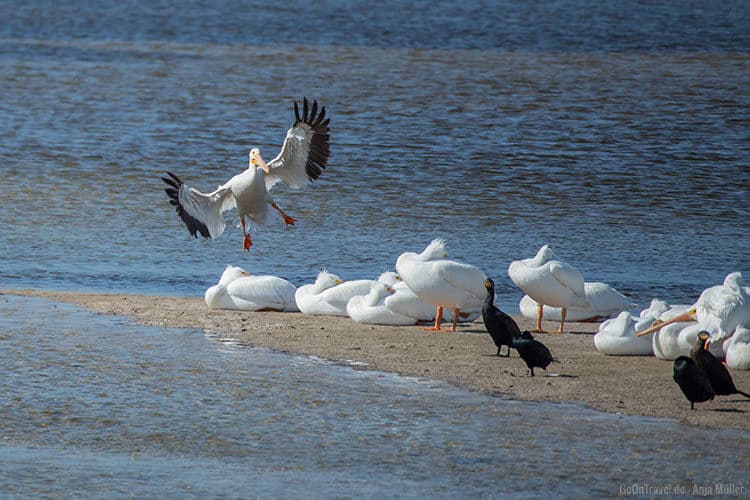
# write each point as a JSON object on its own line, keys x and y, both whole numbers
{"x": 201, "y": 212}
{"x": 569, "y": 277}
{"x": 305, "y": 151}
{"x": 461, "y": 276}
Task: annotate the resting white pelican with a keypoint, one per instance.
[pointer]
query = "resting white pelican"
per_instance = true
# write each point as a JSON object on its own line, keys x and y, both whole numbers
{"x": 371, "y": 309}
{"x": 549, "y": 282}
{"x": 442, "y": 282}
{"x": 672, "y": 341}
{"x": 329, "y": 295}
{"x": 238, "y": 289}
{"x": 719, "y": 310}
{"x": 605, "y": 302}
{"x": 404, "y": 302}
{"x": 616, "y": 337}
{"x": 302, "y": 158}
{"x": 738, "y": 349}
{"x": 653, "y": 312}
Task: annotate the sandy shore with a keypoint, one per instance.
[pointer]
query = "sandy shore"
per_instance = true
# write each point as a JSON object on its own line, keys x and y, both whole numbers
{"x": 627, "y": 385}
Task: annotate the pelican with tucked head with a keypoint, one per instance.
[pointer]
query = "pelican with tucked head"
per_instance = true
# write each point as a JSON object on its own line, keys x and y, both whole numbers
{"x": 441, "y": 282}
{"x": 302, "y": 158}
{"x": 238, "y": 289}
{"x": 549, "y": 282}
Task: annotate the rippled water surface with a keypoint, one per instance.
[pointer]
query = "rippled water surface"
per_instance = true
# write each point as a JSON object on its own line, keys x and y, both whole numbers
{"x": 616, "y": 133}
{"x": 93, "y": 404}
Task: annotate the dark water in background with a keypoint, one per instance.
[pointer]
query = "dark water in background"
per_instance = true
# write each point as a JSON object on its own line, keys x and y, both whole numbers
{"x": 92, "y": 405}
{"x": 617, "y": 132}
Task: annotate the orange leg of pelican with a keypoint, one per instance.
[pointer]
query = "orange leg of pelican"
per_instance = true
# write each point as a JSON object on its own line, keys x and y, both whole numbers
{"x": 246, "y": 241}
{"x": 539, "y": 311}
{"x": 289, "y": 221}
{"x": 438, "y": 319}
{"x": 456, "y": 314}
{"x": 562, "y": 321}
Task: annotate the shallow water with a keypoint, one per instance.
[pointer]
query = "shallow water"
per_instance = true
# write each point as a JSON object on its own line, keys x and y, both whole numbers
{"x": 93, "y": 404}
{"x": 616, "y": 133}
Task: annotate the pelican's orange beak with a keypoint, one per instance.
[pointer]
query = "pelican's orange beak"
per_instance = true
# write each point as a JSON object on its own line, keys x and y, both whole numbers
{"x": 686, "y": 316}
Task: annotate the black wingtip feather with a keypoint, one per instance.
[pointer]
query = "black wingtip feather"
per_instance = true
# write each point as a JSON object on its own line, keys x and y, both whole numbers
{"x": 193, "y": 225}
{"x": 315, "y": 117}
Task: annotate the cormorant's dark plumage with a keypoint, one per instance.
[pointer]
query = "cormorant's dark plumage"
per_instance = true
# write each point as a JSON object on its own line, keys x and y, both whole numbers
{"x": 533, "y": 352}
{"x": 717, "y": 373}
{"x": 499, "y": 325}
{"x": 693, "y": 381}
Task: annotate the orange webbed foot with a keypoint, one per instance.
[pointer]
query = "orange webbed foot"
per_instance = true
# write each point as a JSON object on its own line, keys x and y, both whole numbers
{"x": 246, "y": 243}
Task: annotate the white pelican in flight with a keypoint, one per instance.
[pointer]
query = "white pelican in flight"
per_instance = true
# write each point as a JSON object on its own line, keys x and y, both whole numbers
{"x": 549, "y": 282}
{"x": 442, "y": 282}
{"x": 302, "y": 158}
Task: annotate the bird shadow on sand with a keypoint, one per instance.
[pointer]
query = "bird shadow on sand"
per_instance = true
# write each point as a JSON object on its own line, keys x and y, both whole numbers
{"x": 461, "y": 329}
{"x": 729, "y": 410}
{"x": 577, "y": 333}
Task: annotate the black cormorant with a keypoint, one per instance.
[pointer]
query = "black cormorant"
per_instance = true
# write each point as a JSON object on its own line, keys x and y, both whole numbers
{"x": 693, "y": 381}
{"x": 718, "y": 374}
{"x": 533, "y": 352}
{"x": 499, "y": 325}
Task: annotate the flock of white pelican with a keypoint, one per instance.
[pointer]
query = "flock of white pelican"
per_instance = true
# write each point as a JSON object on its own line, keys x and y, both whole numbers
{"x": 428, "y": 286}
{"x": 404, "y": 297}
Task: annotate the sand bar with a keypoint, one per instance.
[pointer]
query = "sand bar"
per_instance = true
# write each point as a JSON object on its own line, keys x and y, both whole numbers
{"x": 625, "y": 385}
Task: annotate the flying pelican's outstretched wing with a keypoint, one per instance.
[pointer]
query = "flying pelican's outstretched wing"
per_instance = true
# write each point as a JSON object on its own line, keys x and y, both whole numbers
{"x": 201, "y": 212}
{"x": 306, "y": 148}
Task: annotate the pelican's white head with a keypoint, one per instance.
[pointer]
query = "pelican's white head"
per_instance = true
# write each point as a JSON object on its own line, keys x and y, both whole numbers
{"x": 327, "y": 280}
{"x": 655, "y": 309}
{"x": 734, "y": 281}
{"x": 545, "y": 254}
{"x": 389, "y": 278}
{"x": 232, "y": 273}
{"x": 256, "y": 160}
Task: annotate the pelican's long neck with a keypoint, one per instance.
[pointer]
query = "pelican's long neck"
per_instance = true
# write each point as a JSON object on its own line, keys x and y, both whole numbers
{"x": 434, "y": 251}
{"x": 375, "y": 295}
{"x": 215, "y": 294}
{"x": 545, "y": 254}
{"x": 734, "y": 283}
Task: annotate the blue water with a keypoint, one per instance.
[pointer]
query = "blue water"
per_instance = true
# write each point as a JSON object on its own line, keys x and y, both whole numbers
{"x": 616, "y": 132}
{"x": 93, "y": 405}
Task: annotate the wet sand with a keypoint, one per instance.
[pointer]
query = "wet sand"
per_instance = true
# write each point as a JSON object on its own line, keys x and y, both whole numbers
{"x": 627, "y": 385}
